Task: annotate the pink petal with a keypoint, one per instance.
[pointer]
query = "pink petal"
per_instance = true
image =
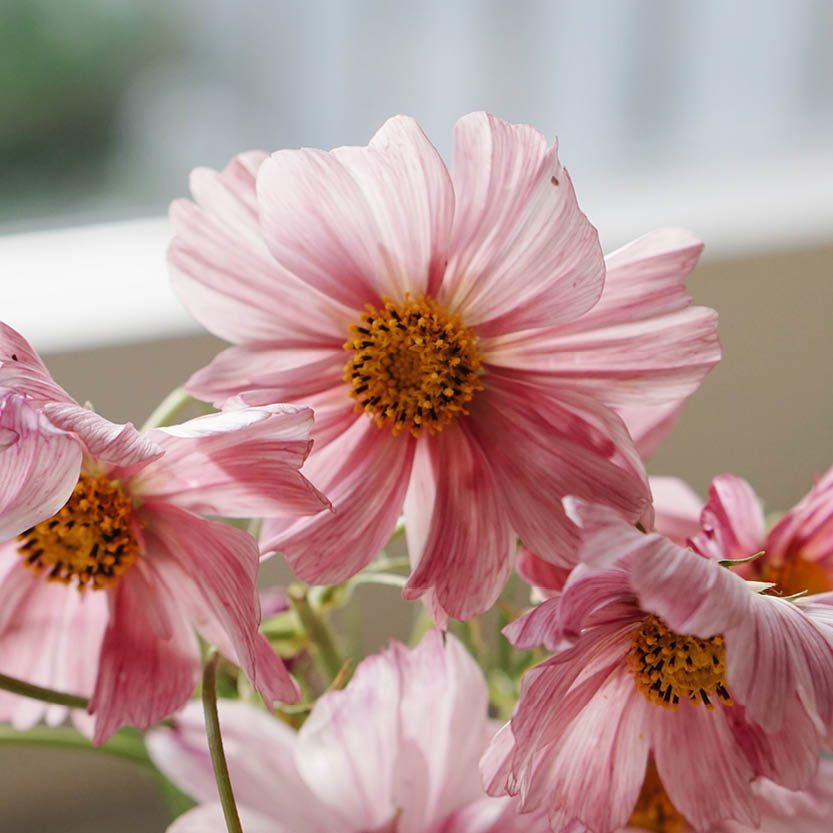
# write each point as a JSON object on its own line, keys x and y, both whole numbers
{"x": 51, "y": 638}
{"x": 547, "y": 578}
{"x": 444, "y": 707}
{"x": 542, "y": 448}
{"x": 677, "y": 509}
{"x": 468, "y": 554}
{"x": 360, "y": 223}
{"x": 775, "y": 652}
{"x": 22, "y": 369}
{"x": 717, "y": 787}
{"x": 40, "y": 464}
{"x": 214, "y": 566}
{"x": 287, "y": 371}
{"x": 807, "y": 529}
{"x": 121, "y": 445}
{"x": 365, "y": 474}
{"x": 649, "y": 426}
{"x": 523, "y": 255}
{"x": 348, "y": 747}
{"x": 260, "y": 755}
{"x": 209, "y": 818}
{"x": 732, "y": 521}
{"x": 242, "y": 463}
{"x": 496, "y": 815}
{"x": 149, "y": 660}
{"x": 223, "y": 272}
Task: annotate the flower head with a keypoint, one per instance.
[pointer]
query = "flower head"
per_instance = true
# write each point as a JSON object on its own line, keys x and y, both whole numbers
{"x": 397, "y": 750}
{"x": 662, "y": 654}
{"x": 106, "y": 570}
{"x": 456, "y": 334}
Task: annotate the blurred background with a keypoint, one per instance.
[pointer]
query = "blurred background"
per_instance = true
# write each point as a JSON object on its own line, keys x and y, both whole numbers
{"x": 716, "y": 116}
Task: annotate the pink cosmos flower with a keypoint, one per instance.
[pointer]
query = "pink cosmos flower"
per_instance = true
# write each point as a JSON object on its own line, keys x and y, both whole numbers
{"x": 797, "y": 551}
{"x": 396, "y": 751}
{"x": 106, "y": 570}
{"x": 456, "y": 335}
{"x": 661, "y": 653}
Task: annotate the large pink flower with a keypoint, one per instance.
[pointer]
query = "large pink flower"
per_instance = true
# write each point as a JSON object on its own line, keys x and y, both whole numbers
{"x": 456, "y": 335}
{"x": 397, "y": 750}
{"x": 89, "y": 506}
{"x": 660, "y": 652}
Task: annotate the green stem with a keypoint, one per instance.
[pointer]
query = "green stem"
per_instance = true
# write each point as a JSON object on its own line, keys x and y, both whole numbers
{"x": 36, "y": 692}
{"x": 126, "y": 743}
{"x": 317, "y": 630}
{"x": 215, "y": 743}
{"x": 168, "y": 408}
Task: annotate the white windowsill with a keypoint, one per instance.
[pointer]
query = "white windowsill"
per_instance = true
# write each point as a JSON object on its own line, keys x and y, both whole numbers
{"x": 91, "y": 286}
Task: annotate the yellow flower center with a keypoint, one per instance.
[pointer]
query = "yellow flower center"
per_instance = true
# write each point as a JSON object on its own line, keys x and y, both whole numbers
{"x": 667, "y": 666}
{"x": 654, "y": 810}
{"x": 414, "y": 365}
{"x": 90, "y": 541}
{"x": 797, "y": 575}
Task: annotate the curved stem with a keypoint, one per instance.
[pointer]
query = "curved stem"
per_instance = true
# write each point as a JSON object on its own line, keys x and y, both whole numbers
{"x": 36, "y": 692}
{"x": 317, "y": 630}
{"x": 215, "y": 743}
{"x": 168, "y": 408}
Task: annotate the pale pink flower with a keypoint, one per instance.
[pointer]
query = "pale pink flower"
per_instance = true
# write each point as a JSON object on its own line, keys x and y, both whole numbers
{"x": 396, "y": 751}
{"x": 454, "y": 332}
{"x": 658, "y": 651}
{"x": 102, "y": 509}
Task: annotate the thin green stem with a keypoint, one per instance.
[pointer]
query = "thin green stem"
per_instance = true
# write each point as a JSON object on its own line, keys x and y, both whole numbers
{"x": 215, "y": 743}
{"x": 36, "y": 692}
{"x": 126, "y": 743}
{"x": 317, "y": 630}
{"x": 168, "y": 408}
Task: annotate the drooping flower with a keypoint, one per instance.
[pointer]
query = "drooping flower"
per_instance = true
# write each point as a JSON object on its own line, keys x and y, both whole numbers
{"x": 105, "y": 567}
{"x": 660, "y": 652}
{"x": 797, "y": 553}
{"x": 397, "y": 750}
{"x": 456, "y": 335}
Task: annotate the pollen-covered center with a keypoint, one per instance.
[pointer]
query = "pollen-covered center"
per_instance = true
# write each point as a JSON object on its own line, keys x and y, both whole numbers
{"x": 654, "y": 810}
{"x": 667, "y": 666}
{"x": 414, "y": 365}
{"x": 90, "y": 541}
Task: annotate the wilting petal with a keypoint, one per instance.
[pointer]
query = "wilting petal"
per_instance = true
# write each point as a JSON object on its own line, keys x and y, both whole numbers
{"x": 149, "y": 660}
{"x": 40, "y": 464}
{"x": 546, "y": 578}
{"x": 468, "y": 554}
{"x": 650, "y": 425}
{"x": 120, "y": 445}
{"x": 288, "y": 372}
{"x": 717, "y": 787}
{"x": 22, "y": 369}
{"x": 732, "y": 521}
{"x": 216, "y": 567}
{"x": 223, "y": 272}
{"x": 523, "y": 254}
{"x": 359, "y": 223}
{"x": 365, "y": 474}
{"x": 241, "y": 463}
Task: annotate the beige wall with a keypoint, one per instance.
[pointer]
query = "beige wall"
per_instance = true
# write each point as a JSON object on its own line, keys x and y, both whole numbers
{"x": 765, "y": 413}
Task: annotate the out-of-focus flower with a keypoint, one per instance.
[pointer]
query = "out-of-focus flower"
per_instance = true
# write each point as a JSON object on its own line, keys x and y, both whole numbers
{"x": 661, "y": 652}
{"x": 397, "y": 750}
{"x": 106, "y": 570}
{"x": 797, "y": 551}
{"x": 457, "y": 337}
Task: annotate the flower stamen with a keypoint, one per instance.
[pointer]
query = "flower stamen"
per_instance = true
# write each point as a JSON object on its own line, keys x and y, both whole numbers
{"x": 414, "y": 365}
{"x": 90, "y": 540}
{"x": 667, "y": 666}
